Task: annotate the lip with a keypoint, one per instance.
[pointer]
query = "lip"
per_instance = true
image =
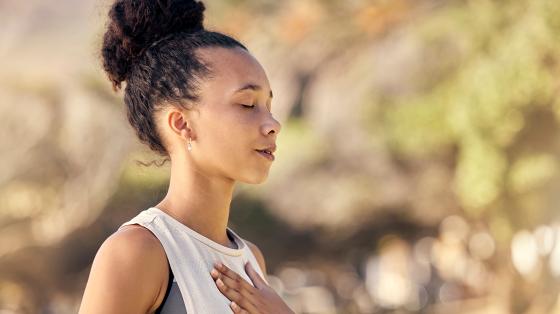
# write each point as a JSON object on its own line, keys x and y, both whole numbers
{"x": 265, "y": 155}
{"x": 271, "y": 148}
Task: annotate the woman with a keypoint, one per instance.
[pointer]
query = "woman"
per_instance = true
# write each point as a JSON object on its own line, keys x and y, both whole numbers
{"x": 202, "y": 100}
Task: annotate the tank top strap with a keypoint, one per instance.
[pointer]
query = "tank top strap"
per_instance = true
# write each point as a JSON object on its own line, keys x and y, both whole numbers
{"x": 191, "y": 256}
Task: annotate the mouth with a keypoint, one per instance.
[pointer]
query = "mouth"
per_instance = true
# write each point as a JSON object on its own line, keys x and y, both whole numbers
{"x": 266, "y": 153}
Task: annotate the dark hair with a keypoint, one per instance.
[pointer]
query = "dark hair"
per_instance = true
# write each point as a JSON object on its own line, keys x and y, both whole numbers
{"x": 151, "y": 45}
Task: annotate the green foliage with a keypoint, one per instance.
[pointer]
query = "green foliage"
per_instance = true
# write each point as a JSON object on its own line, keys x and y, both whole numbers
{"x": 504, "y": 69}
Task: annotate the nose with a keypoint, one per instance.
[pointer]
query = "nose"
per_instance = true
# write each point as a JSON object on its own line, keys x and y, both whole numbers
{"x": 271, "y": 125}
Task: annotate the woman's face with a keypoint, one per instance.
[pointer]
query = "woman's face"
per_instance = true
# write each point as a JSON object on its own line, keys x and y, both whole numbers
{"x": 233, "y": 118}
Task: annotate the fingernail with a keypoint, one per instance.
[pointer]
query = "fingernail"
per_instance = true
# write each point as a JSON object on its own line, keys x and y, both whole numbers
{"x": 214, "y": 272}
{"x": 234, "y": 305}
{"x": 220, "y": 283}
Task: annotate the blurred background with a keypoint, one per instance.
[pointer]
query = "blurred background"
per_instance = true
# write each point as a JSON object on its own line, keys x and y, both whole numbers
{"x": 417, "y": 169}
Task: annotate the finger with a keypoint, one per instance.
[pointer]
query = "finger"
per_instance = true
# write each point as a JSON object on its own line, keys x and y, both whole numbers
{"x": 228, "y": 291}
{"x": 237, "y": 309}
{"x": 255, "y": 277}
{"x": 239, "y": 289}
{"x": 235, "y": 296}
{"x": 240, "y": 282}
{"x": 231, "y": 283}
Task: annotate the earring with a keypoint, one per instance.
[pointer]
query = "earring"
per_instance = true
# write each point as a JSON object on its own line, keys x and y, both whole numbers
{"x": 189, "y": 146}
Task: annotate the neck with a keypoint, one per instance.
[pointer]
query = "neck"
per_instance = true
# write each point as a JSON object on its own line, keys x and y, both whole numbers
{"x": 199, "y": 201}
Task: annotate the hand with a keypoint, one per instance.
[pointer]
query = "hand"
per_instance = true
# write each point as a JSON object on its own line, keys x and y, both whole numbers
{"x": 246, "y": 299}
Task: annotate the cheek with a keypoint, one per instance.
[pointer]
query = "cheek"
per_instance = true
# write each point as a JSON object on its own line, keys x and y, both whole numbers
{"x": 228, "y": 133}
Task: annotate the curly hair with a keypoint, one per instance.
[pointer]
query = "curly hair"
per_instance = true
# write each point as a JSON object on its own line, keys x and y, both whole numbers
{"x": 150, "y": 45}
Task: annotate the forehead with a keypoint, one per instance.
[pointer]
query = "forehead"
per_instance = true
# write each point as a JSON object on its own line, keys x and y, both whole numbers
{"x": 233, "y": 67}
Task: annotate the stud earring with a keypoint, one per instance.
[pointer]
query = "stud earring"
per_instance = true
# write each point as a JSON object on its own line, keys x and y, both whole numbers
{"x": 189, "y": 146}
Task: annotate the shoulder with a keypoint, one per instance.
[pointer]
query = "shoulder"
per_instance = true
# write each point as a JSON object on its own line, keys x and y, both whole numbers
{"x": 127, "y": 273}
{"x": 258, "y": 255}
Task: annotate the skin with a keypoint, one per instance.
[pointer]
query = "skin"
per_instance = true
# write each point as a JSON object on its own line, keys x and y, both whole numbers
{"x": 247, "y": 298}
{"x": 224, "y": 135}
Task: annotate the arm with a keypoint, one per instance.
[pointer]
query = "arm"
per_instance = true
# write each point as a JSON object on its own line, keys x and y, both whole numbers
{"x": 127, "y": 274}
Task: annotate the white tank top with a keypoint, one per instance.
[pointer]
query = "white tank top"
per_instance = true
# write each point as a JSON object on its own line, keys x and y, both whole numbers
{"x": 191, "y": 256}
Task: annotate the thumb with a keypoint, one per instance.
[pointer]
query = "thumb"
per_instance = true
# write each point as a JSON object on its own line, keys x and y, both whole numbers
{"x": 258, "y": 282}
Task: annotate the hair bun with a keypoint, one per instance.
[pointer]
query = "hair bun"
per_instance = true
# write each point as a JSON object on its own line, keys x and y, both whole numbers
{"x": 136, "y": 24}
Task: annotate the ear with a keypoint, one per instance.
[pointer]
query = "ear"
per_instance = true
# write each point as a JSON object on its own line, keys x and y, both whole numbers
{"x": 179, "y": 123}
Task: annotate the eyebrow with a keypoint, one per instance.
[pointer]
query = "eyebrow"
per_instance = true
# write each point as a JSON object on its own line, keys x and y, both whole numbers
{"x": 250, "y": 86}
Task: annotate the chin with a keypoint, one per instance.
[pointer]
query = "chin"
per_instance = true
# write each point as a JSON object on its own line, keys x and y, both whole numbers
{"x": 256, "y": 179}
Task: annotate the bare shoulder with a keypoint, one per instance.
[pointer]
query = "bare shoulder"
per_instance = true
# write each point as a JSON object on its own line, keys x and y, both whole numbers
{"x": 127, "y": 273}
{"x": 258, "y": 255}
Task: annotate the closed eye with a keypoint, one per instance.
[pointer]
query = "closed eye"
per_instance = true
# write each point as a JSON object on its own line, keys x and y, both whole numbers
{"x": 248, "y": 106}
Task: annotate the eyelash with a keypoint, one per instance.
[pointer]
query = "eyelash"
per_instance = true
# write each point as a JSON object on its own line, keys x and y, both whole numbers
{"x": 248, "y": 106}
